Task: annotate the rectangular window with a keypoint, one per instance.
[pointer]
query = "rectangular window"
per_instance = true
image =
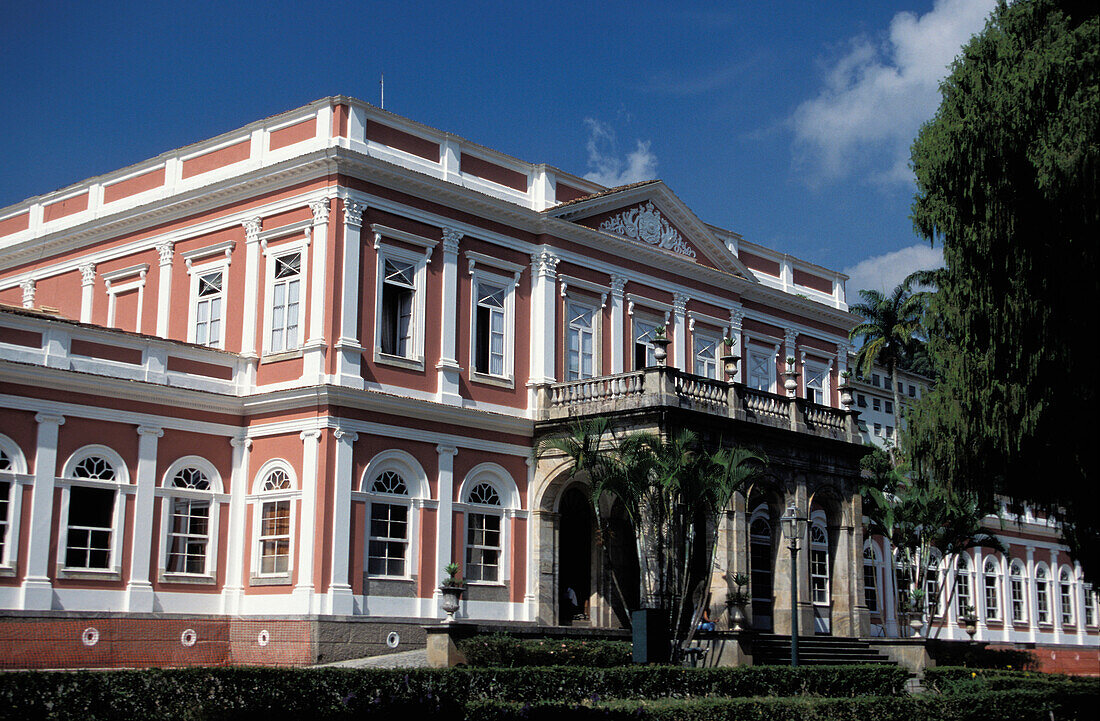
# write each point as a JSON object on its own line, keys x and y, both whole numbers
{"x": 388, "y": 539}
{"x": 912, "y": 391}
{"x": 815, "y": 383}
{"x": 5, "y": 505}
{"x": 483, "y": 547}
{"x": 580, "y": 341}
{"x": 1090, "y": 607}
{"x": 1066, "y": 598}
{"x": 398, "y": 293}
{"x": 91, "y": 514}
{"x": 889, "y": 406}
{"x": 889, "y": 431}
{"x": 643, "y": 352}
{"x": 962, "y": 593}
{"x": 876, "y": 380}
{"x": 761, "y": 371}
{"x": 1042, "y": 598}
{"x": 706, "y": 355}
{"x": 931, "y": 592}
{"x": 876, "y": 404}
{"x": 992, "y": 600}
{"x": 861, "y": 400}
{"x": 870, "y": 587}
{"x": 1017, "y": 600}
{"x": 188, "y": 536}
{"x": 208, "y": 306}
{"x": 285, "y": 300}
{"x": 819, "y": 576}
{"x": 275, "y": 537}
{"x": 489, "y": 331}
{"x": 878, "y": 429}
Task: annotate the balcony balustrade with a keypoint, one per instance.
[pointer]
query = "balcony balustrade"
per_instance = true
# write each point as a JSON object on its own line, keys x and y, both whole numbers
{"x": 662, "y": 387}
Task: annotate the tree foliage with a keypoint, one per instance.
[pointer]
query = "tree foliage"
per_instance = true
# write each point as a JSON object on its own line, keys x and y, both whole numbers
{"x": 1007, "y": 181}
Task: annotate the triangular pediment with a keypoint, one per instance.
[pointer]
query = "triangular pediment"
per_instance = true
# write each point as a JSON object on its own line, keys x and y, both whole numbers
{"x": 649, "y": 213}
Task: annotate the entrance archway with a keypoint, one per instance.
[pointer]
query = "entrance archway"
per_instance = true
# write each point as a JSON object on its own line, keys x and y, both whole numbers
{"x": 575, "y": 558}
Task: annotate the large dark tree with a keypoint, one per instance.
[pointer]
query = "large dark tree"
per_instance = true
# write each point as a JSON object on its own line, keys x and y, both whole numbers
{"x": 1007, "y": 181}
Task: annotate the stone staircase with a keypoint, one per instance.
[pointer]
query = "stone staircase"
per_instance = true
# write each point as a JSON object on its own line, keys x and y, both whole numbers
{"x": 775, "y": 650}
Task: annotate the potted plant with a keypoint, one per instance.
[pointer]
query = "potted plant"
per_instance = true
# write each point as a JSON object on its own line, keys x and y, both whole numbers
{"x": 791, "y": 384}
{"x": 451, "y": 588}
{"x": 729, "y": 358}
{"x": 738, "y": 600}
{"x": 660, "y": 344}
{"x": 846, "y": 388}
{"x": 969, "y": 620}
{"x": 916, "y": 611}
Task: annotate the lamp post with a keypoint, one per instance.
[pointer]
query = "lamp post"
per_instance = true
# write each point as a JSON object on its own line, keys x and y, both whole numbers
{"x": 794, "y": 527}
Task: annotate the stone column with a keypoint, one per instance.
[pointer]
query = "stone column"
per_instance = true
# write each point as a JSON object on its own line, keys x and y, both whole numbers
{"x": 314, "y": 348}
{"x": 139, "y": 591}
{"x": 448, "y": 366}
{"x": 546, "y": 527}
{"x": 445, "y": 516}
{"x": 164, "y": 287}
{"x": 236, "y": 543}
{"x": 304, "y": 588}
{"x": 342, "y": 601}
{"x": 349, "y": 346}
{"x": 87, "y": 291}
{"x": 618, "y": 282}
{"x": 680, "y": 353}
{"x": 36, "y": 591}
{"x": 737, "y": 318}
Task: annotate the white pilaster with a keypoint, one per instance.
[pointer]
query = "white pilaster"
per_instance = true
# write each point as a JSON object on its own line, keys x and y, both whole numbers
{"x": 1079, "y": 599}
{"x": 348, "y": 345}
{"x": 36, "y": 589}
{"x": 618, "y": 310}
{"x": 252, "y": 297}
{"x": 341, "y": 601}
{"x": 304, "y": 589}
{"x": 448, "y": 366}
{"x": 139, "y": 591}
{"x": 235, "y": 546}
{"x": 977, "y": 590}
{"x": 28, "y": 288}
{"x": 1054, "y": 594}
{"x": 544, "y": 273}
{"x": 679, "y": 333}
{"x": 1032, "y": 596}
{"x": 164, "y": 287}
{"x": 737, "y": 319}
{"x": 87, "y": 291}
{"x": 445, "y": 516}
{"x": 314, "y": 348}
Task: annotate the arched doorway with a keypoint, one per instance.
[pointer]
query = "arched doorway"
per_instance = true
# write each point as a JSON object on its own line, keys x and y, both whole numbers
{"x": 761, "y": 567}
{"x": 575, "y": 587}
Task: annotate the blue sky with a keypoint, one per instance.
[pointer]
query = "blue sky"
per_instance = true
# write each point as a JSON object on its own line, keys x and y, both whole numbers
{"x": 788, "y": 122}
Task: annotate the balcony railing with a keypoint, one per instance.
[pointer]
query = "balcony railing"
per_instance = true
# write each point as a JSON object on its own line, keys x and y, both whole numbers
{"x": 663, "y": 387}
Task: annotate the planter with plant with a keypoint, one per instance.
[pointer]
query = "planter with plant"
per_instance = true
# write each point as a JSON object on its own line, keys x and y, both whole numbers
{"x": 729, "y": 358}
{"x": 969, "y": 619}
{"x": 738, "y": 600}
{"x": 660, "y": 344}
{"x": 916, "y": 611}
{"x": 452, "y": 588}
{"x": 846, "y": 389}
{"x": 791, "y": 384}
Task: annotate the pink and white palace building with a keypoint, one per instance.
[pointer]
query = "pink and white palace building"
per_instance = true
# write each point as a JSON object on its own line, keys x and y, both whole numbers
{"x": 256, "y": 392}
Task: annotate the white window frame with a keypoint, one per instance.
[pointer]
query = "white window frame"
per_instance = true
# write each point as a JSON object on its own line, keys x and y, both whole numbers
{"x": 272, "y": 253}
{"x": 16, "y": 477}
{"x": 419, "y": 494}
{"x": 1067, "y": 612}
{"x": 169, "y": 493}
{"x": 1017, "y": 575}
{"x": 993, "y": 576}
{"x": 1090, "y": 609}
{"x": 114, "y": 289}
{"x": 258, "y": 498}
{"x": 703, "y": 337}
{"x": 933, "y": 605}
{"x": 645, "y": 319}
{"x": 768, "y": 356}
{"x": 500, "y": 480}
{"x": 964, "y": 575}
{"x": 870, "y": 561}
{"x": 591, "y": 306}
{"x": 809, "y": 368}
{"x": 1043, "y": 582}
{"x": 419, "y": 260}
{"x": 508, "y": 284}
{"x": 819, "y": 547}
{"x": 121, "y": 487}
{"x": 196, "y": 273}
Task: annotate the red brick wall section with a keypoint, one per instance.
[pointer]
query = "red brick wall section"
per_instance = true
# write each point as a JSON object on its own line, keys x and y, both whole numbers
{"x": 1073, "y": 660}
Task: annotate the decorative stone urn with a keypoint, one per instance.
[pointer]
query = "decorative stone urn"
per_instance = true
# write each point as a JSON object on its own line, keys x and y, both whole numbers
{"x": 729, "y": 363}
{"x": 916, "y": 622}
{"x": 660, "y": 348}
{"x": 452, "y": 595}
{"x": 737, "y": 617}
{"x": 845, "y": 393}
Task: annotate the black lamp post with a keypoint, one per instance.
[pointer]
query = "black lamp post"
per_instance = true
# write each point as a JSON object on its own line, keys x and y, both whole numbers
{"x": 794, "y": 528}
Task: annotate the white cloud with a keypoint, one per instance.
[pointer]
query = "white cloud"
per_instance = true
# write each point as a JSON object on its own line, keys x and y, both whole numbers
{"x": 877, "y": 95}
{"x": 884, "y": 272}
{"x": 607, "y": 168}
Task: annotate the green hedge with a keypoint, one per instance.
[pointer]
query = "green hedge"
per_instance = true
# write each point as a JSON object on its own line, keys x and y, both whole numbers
{"x": 503, "y": 650}
{"x": 986, "y": 706}
{"x": 958, "y": 679}
{"x": 224, "y": 693}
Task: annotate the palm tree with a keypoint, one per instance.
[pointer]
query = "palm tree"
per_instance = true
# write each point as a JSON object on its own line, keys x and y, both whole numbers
{"x": 890, "y": 323}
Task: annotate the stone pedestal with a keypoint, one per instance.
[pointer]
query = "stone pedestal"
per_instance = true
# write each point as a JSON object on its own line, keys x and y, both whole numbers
{"x": 441, "y": 644}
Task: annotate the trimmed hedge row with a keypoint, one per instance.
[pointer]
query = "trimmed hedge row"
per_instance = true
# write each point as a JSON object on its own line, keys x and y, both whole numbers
{"x": 1028, "y": 705}
{"x": 959, "y": 679}
{"x": 224, "y": 693}
{"x": 503, "y": 650}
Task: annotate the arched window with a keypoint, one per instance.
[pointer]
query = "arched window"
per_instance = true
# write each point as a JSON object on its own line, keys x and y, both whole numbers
{"x": 490, "y": 496}
{"x": 870, "y": 578}
{"x": 963, "y": 594}
{"x": 819, "y": 564}
{"x": 190, "y": 518}
{"x": 991, "y": 576}
{"x": 1018, "y": 580}
{"x": 274, "y": 497}
{"x": 93, "y": 510}
{"x": 932, "y": 585}
{"x": 1042, "y": 596}
{"x": 760, "y": 566}
{"x": 12, "y": 464}
{"x": 1065, "y": 596}
{"x": 394, "y": 486}
{"x": 1090, "y": 606}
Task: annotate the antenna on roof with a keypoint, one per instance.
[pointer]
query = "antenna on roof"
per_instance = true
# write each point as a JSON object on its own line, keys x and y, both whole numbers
{"x": 382, "y": 87}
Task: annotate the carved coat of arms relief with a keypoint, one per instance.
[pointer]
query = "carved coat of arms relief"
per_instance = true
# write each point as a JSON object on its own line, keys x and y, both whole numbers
{"x": 645, "y": 223}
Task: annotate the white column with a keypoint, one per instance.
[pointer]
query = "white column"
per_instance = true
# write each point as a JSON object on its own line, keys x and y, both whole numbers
{"x": 977, "y": 589}
{"x": 303, "y": 590}
{"x": 618, "y": 282}
{"x": 544, "y": 275}
{"x": 139, "y": 591}
{"x": 1079, "y": 599}
{"x": 36, "y": 589}
{"x": 448, "y": 366}
{"x": 235, "y": 545}
{"x": 1054, "y": 591}
{"x": 1006, "y": 599}
{"x": 252, "y": 297}
{"x": 29, "y": 289}
{"x": 164, "y": 287}
{"x": 348, "y": 345}
{"x": 1032, "y": 597}
{"x": 314, "y": 348}
{"x": 341, "y": 601}
{"x": 737, "y": 319}
{"x": 87, "y": 291}
{"x": 951, "y": 612}
{"x": 679, "y": 338}
{"x": 445, "y": 515}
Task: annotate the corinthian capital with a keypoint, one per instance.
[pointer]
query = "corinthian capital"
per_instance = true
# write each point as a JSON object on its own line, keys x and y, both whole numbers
{"x": 320, "y": 210}
{"x": 545, "y": 264}
{"x": 451, "y": 238}
{"x": 353, "y": 213}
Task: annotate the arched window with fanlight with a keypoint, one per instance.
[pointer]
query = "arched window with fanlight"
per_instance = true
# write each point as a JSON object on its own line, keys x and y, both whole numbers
{"x": 963, "y": 589}
{"x": 932, "y": 604}
{"x": 274, "y": 496}
{"x": 1065, "y": 596}
{"x": 12, "y": 466}
{"x": 191, "y": 491}
{"x": 1042, "y": 595}
{"x": 93, "y": 480}
{"x": 819, "y": 564}
{"x": 1018, "y": 584}
{"x": 489, "y": 497}
{"x": 394, "y": 487}
{"x": 991, "y": 583}
{"x": 760, "y": 567}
